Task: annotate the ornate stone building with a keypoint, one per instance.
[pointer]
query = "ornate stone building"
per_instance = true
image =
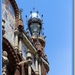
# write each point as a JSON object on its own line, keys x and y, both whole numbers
{"x": 22, "y": 53}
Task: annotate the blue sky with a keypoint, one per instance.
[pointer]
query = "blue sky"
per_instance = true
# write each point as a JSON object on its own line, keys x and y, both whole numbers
{"x": 58, "y": 27}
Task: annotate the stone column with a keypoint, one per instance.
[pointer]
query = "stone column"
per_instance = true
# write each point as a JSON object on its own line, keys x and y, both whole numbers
{"x": 16, "y": 39}
{"x": 29, "y": 69}
{"x": 20, "y": 43}
{"x": 36, "y": 65}
{"x": 39, "y": 66}
{"x": 29, "y": 59}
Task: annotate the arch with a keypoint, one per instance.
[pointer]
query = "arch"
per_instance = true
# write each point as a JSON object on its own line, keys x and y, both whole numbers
{"x": 13, "y": 59}
{"x": 15, "y": 7}
{"x": 16, "y": 10}
{"x": 6, "y": 46}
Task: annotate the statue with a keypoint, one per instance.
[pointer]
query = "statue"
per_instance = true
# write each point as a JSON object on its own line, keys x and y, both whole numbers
{"x": 5, "y": 61}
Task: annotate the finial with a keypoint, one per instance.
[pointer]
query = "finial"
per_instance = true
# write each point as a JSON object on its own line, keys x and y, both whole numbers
{"x": 26, "y": 16}
{"x": 42, "y": 18}
{"x": 30, "y": 12}
{"x": 42, "y": 33}
{"x": 37, "y": 12}
{"x": 42, "y": 15}
{"x": 45, "y": 37}
{"x": 33, "y": 8}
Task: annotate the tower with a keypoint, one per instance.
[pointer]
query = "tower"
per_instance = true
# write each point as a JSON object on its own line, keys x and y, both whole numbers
{"x": 35, "y": 27}
{"x": 35, "y": 23}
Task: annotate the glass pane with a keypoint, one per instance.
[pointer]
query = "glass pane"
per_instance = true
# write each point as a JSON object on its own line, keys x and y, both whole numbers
{"x": 35, "y": 29}
{"x": 24, "y": 50}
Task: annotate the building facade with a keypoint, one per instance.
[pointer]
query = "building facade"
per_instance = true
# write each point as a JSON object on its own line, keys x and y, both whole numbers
{"x": 22, "y": 53}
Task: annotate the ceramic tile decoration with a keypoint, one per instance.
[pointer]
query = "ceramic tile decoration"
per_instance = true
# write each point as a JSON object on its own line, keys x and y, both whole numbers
{"x": 9, "y": 16}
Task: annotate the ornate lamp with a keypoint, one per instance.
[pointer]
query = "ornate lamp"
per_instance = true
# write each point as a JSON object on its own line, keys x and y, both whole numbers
{"x": 34, "y": 24}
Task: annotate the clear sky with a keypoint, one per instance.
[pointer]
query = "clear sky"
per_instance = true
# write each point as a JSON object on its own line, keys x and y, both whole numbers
{"x": 58, "y": 27}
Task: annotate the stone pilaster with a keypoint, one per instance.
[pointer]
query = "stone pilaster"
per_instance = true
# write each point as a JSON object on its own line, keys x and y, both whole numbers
{"x": 40, "y": 66}
{"x": 20, "y": 43}
{"x": 29, "y": 59}
{"x": 16, "y": 32}
{"x": 36, "y": 65}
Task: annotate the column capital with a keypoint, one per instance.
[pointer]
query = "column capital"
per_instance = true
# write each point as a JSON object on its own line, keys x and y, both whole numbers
{"x": 16, "y": 31}
{"x": 37, "y": 56}
{"x": 20, "y": 35}
{"x": 29, "y": 55}
{"x": 29, "y": 61}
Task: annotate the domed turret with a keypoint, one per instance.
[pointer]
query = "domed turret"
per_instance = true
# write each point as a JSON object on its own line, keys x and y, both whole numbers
{"x": 34, "y": 15}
